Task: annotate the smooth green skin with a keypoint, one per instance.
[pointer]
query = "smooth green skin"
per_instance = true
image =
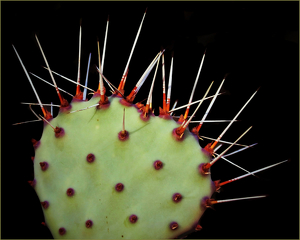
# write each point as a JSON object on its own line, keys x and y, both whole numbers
{"x": 147, "y": 192}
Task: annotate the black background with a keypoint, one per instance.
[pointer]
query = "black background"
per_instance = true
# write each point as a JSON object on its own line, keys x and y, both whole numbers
{"x": 256, "y": 42}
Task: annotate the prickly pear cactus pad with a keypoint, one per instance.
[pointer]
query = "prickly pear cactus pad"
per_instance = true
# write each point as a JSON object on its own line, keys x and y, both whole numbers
{"x": 112, "y": 160}
{"x": 93, "y": 183}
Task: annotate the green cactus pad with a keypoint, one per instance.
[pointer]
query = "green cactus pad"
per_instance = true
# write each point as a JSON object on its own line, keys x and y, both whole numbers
{"x": 93, "y": 185}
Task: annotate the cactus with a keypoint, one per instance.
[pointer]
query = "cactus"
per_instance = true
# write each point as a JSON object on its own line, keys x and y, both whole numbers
{"x": 175, "y": 92}
{"x": 120, "y": 179}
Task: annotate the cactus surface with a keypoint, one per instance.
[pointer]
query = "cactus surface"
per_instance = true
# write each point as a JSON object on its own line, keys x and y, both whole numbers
{"x": 90, "y": 173}
{"x": 229, "y": 224}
